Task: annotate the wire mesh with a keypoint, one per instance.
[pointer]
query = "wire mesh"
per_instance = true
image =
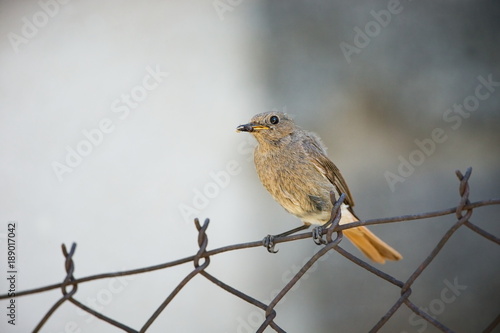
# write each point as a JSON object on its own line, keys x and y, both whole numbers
{"x": 201, "y": 260}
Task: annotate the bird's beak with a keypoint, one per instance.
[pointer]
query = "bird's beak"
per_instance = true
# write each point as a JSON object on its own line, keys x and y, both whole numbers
{"x": 251, "y": 127}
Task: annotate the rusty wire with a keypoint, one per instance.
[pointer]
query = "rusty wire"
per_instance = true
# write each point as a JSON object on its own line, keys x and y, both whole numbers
{"x": 201, "y": 261}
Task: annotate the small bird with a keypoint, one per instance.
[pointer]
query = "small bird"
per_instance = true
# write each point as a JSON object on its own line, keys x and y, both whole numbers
{"x": 293, "y": 166}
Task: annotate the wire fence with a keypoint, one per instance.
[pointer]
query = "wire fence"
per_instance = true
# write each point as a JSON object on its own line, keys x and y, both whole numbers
{"x": 201, "y": 261}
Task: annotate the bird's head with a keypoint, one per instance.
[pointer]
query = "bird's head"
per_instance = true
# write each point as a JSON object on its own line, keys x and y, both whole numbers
{"x": 269, "y": 126}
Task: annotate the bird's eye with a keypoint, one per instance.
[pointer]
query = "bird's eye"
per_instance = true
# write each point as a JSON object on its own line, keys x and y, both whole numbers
{"x": 274, "y": 120}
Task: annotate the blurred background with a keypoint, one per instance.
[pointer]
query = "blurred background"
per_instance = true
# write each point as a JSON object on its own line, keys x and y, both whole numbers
{"x": 118, "y": 128}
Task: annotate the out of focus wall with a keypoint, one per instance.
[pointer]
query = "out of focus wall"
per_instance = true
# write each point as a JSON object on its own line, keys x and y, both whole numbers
{"x": 117, "y": 129}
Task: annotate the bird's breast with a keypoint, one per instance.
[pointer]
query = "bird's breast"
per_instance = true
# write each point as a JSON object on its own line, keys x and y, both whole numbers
{"x": 294, "y": 182}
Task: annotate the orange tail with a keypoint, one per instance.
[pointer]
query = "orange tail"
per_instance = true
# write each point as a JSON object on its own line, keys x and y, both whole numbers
{"x": 372, "y": 246}
{"x": 366, "y": 241}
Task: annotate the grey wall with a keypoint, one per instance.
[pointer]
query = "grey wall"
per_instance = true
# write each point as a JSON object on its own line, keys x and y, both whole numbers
{"x": 67, "y": 69}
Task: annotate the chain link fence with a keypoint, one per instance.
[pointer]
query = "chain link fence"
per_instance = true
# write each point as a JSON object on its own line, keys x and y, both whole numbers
{"x": 332, "y": 234}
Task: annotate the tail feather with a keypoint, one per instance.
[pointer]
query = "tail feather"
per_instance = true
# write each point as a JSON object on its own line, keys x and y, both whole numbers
{"x": 372, "y": 246}
{"x": 366, "y": 241}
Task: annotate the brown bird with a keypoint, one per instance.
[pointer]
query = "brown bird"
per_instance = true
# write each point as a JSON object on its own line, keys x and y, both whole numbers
{"x": 293, "y": 166}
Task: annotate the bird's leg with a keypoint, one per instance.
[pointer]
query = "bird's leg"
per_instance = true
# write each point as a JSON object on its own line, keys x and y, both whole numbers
{"x": 268, "y": 241}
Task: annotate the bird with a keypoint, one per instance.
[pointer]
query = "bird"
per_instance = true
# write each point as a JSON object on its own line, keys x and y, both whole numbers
{"x": 293, "y": 166}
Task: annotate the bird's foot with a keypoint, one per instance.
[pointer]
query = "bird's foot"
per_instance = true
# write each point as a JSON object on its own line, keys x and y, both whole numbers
{"x": 268, "y": 243}
{"x": 317, "y": 235}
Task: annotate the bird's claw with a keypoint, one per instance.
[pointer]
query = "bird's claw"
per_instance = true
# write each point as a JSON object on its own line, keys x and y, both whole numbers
{"x": 268, "y": 243}
{"x": 317, "y": 235}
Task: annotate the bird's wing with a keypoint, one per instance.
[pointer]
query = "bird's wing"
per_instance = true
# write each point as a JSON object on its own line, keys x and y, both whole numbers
{"x": 326, "y": 167}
